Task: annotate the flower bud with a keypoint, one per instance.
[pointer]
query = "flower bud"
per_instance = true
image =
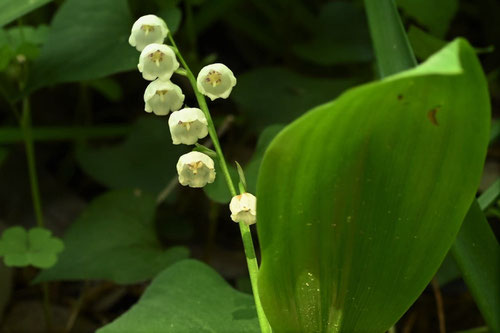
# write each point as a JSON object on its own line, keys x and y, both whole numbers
{"x": 195, "y": 169}
{"x": 161, "y": 97}
{"x": 187, "y": 126}
{"x": 215, "y": 81}
{"x": 147, "y": 30}
{"x": 157, "y": 61}
{"x": 243, "y": 208}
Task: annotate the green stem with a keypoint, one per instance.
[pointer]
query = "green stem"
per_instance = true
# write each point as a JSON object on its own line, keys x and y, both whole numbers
{"x": 25, "y": 124}
{"x": 30, "y": 156}
{"x": 246, "y": 235}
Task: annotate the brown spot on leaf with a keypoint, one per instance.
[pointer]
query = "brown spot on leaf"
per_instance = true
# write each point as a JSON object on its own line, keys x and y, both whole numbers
{"x": 432, "y": 116}
{"x": 400, "y": 97}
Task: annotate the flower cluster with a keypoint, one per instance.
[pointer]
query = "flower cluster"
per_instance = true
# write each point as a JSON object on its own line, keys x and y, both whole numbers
{"x": 157, "y": 63}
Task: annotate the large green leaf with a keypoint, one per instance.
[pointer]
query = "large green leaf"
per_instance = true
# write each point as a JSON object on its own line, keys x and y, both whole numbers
{"x": 13, "y": 9}
{"x": 360, "y": 199}
{"x": 477, "y": 253}
{"x": 114, "y": 239}
{"x": 188, "y": 297}
{"x": 145, "y": 160}
{"x": 87, "y": 40}
{"x": 274, "y": 95}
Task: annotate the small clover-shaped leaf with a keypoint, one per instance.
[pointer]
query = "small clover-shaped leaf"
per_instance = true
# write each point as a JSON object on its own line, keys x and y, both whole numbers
{"x": 34, "y": 247}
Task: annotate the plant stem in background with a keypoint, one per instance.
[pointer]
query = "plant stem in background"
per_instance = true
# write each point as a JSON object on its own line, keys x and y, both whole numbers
{"x": 246, "y": 235}
{"x": 30, "y": 156}
{"x": 25, "y": 123}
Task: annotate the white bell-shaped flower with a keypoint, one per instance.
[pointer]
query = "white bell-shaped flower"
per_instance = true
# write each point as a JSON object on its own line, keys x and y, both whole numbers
{"x": 215, "y": 81}
{"x": 157, "y": 61}
{"x": 161, "y": 97}
{"x": 195, "y": 169}
{"x": 187, "y": 126}
{"x": 243, "y": 208}
{"x": 148, "y": 29}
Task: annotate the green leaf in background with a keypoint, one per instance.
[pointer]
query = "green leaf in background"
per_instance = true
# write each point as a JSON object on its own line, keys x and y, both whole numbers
{"x": 114, "y": 239}
{"x": 87, "y": 40}
{"x": 218, "y": 191}
{"x": 423, "y": 43}
{"x": 361, "y": 199}
{"x": 433, "y": 15}
{"x": 13, "y": 9}
{"x": 172, "y": 16}
{"x": 35, "y": 247}
{"x": 188, "y": 297}
{"x": 145, "y": 160}
{"x": 21, "y": 41}
{"x": 252, "y": 168}
{"x": 274, "y": 95}
{"x": 477, "y": 253}
{"x": 342, "y": 36}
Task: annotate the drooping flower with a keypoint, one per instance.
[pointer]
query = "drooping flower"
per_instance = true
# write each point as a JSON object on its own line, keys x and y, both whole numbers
{"x": 148, "y": 29}
{"x": 157, "y": 61}
{"x": 187, "y": 126}
{"x": 243, "y": 208}
{"x": 195, "y": 169}
{"x": 215, "y": 81}
{"x": 161, "y": 97}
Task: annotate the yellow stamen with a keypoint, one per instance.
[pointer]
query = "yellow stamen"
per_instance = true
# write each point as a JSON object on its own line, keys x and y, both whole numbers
{"x": 195, "y": 166}
{"x": 162, "y": 94}
{"x": 186, "y": 124}
{"x": 156, "y": 57}
{"x": 214, "y": 78}
{"x": 147, "y": 28}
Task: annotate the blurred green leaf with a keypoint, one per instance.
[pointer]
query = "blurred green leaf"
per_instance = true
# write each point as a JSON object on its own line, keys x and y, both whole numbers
{"x": 107, "y": 87}
{"x": 448, "y": 271}
{"x": 423, "y": 43}
{"x": 218, "y": 191}
{"x": 188, "y": 297}
{"x": 477, "y": 253}
{"x": 273, "y": 95}
{"x": 114, "y": 239}
{"x": 433, "y": 15}
{"x": 21, "y": 41}
{"x": 490, "y": 195}
{"x": 35, "y": 247}
{"x": 87, "y": 40}
{"x": 172, "y": 16}
{"x": 145, "y": 160}
{"x": 386, "y": 171}
{"x": 342, "y": 36}
{"x": 252, "y": 168}
{"x": 13, "y": 9}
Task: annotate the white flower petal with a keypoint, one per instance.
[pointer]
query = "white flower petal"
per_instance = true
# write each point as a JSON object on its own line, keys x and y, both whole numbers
{"x": 243, "y": 208}
{"x": 195, "y": 169}
{"x": 157, "y": 61}
{"x": 161, "y": 97}
{"x": 187, "y": 126}
{"x": 215, "y": 81}
{"x": 147, "y": 30}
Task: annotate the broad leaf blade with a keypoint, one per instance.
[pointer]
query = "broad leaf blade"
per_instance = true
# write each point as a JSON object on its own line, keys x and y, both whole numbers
{"x": 188, "y": 297}
{"x": 360, "y": 199}
{"x": 114, "y": 239}
{"x": 13, "y": 9}
{"x": 87, "y": 40}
